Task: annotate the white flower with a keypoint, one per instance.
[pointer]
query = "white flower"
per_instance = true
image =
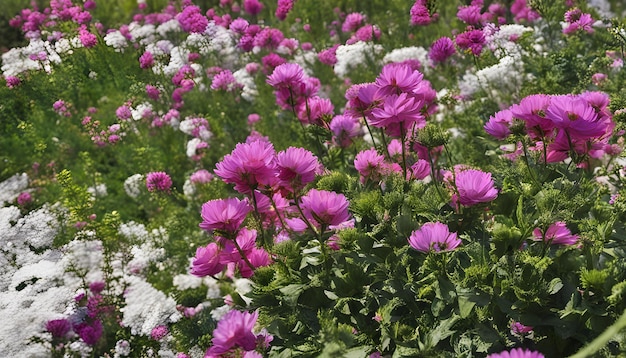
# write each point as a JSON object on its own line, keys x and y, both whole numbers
{"x": 351, "y": 56}
{"x": 133, "y": 185}
{"x": 99, "y": 190}
{"x": 116, "y": 40}
{"x": 146, "y": 307}
{"x": 12, "y": 187}
{"x": 408, "y": 53}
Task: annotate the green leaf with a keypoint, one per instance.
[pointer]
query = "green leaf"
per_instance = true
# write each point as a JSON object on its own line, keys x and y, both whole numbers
{"x": 555, "y": 286}
{"x": 291, "y": 293}
{"x": 468, "y": 299}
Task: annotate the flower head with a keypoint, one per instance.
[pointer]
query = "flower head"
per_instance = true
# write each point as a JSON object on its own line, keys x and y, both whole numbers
{"x": 232, "y": 331}
{"x": 325, "y": 208}
{"x": 224, "y": 214}
{"x": 434, "y": 237}
{"x": 517, "y": 353}
{"x": 248, "y": 166}
{"x": 207, "y": 261}
{"x": 474, "y": 187}
{"x": 296, "y": 167}
{"x": 58, "y": 327}
{"x": 557, "y": 234}
{"x": 441, "y": 50}
{"x": 158, "y": 181}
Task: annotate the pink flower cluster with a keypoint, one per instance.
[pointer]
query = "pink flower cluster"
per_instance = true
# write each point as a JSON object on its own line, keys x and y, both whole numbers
{"x": 235, "y": 333}
{"x": 399, "y": 101}
{"x": 434, "y": 237}
{"x": 577, "y": 20}
{"x": 101, "y": 137}
{"x": 421, "y": 13}
{"x": 574, "y": 126}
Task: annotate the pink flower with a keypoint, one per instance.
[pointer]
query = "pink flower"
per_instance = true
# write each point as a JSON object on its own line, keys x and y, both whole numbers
{"x": 158, "y": 181}
{"x": 328, "y": 56}
{"x": 317, "y": 111}
{"x": 123, "y": 112}
{"x": 287, "y": 75}
{"x": 396, "y": 78}
{"x": 420, "y": 169}
{"x": 159, "y": 332}
{"x": 471, "y": 40}
{"x": 323, "y": 207}
{"x": 474, "y": 187}
{"x": 252, "y": 7}
{"x": 90, "y": 333}
{"x": 532, "y": 110}
{"x": 576, "y": 116}
{"x": 24, "y": 198}
{"x": 498, "y": 124}
{"x": 470, "y": 14}
{"x": 296, "y": 167}
{"x": 434, "y": 237}
{"x": 207, "y": 261}
{"x": 224, "y": 81}
{"x": 12, "y": 81}
{"x": 234, "y": 330}
{"x": 224, "y": 214}
{"x": 516, "y": 353}
{"x": 58, "y": 327}
{"x": 519, "y": 329}
{"x": 284, "y": 6}
{"x": 578, "y": 20}
{"x": 352, "y": 22}
{"x": 521, "y": 11}
{"x": 344, "y": 129}
{"x": 146, "y": 60}
{"x": 201, "y": 176}
{"x": 420, "y": 14}
{"x": 192, "y": 20}
{"x": 398, "y": 112}
{"x": 248, "y": 166}
{"x": 441, "y": 50}
{"x": 369, "y": 164}
{"x": 557, "y": 234}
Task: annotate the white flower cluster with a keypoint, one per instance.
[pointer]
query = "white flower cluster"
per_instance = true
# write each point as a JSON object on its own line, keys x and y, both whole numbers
{"x": 146, "y": 307}
{"x": 409, "y": 53}
{"x": 351, "y": 56}
{"x": 249, "y": 91}
{"x": 116, "y": 40}
{"x": 502, "y": 40}
{"x": 133, "y": 185}
{"x": 502, "y": 79}
{"x": 12, "y": 187}
{"x": 17, "y": 59}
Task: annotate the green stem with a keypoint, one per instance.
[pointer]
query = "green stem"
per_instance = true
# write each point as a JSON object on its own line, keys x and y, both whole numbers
{"x": 402, "y": 135}
{"x": 370, "y": 132}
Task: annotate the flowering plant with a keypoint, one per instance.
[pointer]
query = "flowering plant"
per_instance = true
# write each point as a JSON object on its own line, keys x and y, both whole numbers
{"x": 293, "y": 178}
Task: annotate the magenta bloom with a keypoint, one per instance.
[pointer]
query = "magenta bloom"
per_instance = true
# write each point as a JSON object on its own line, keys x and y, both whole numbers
{"x": 146, "y": 60}
{"x": 471, "y": 40}
{"x": 441, "y": 50}
{"x": 517, "y": 353}
{"x": 24, "y": 198}
{"x": 576, "y": 116}
{"x": 224, "y": 81}
{"x": 86, "y": 38}
{"x": 248, "y": 166}
{"x": 159, "y": 332}
{"x": 207, "y": 261}
{"x": 352, "y": 22}
{"x": 519, "y": 329}
{"x": 369, "y": 164}
{"x": 420, "y": 169}
{"x": 192, "y": 20}
{"x": 201, "y": 176}
{"x": 498, "y": 124}
{"x": 344, "y": 129}
{"x": 420, "y": 14}
{"x": 58, "y": 327}
{"x": 158, "y": 181}
{"x": 284, "y": 6}
{"x": 398, "y": 112}
{"x": 557, "y": 234}
{"x": 470, "y": 14}
{"x": 434, "y": 237}
{"x": 323, "y": 207}
{"x": 578, "y": 20}
{"x": 90, "y": 333}
{"x": 397, "y": 78}
{"x": 12, "y": 81}
{"x": 296, "y": 167}
{"x": 224, "y": 214}
{"x": 474, "y": 187}
{"x": 532, "y": 110}
{"x": 328, "y": 56}
{"x": 234, "y": 330}
{"x": 252, "y": 7}
{"x": 287, "y": 75}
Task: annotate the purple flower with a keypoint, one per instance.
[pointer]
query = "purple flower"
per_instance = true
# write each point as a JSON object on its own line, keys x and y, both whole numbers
{"x": 287, "y": 75}
{"x": 58, "y": 327}
{"x": 441, "y": 50}
{"x": 578, "y": 20}
{"x": 323, "y": 207}
{"x": 158, "y": 181}
{"x": 532, "y": 110}
{"x": 90, "y": 333}
{"x": 97, "y": 286}
{"x": 224, "y": 81}
{"x": 474, "y": 187}
{"x": 519, "y": 329}
{"x": 576, "y": 116}
{"x": 252, "y": 7}
{"x": 498, "y": 124}
{"x": 369, "y": 164}
{"x": 159, "y": 332}
{"x": 224, "y": 214}
{"x": 87, "y": 38}
{"x": 399, "y": 112}
{"x": 296, "y": 167}
{"x": 434, "y": 237}
{"x": 146, "y": 60}
{"x": 352, "y": 22}
{"x": 234, "y": 330}
{"x": 517, "y": 353}
{"x": 471, "y": 40}
{"x": 397, "y": 78}
{"x": 192, "y": 20}
{"x": 207, "y": 261}
{"x": 470, "y": 14}
{"x": 248, "y": 166}
{"x": 24, "y": 198}
{"x": 557, "y": 234}
{"x": 284, "y": 6}
{"x": 344, "y": 129}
